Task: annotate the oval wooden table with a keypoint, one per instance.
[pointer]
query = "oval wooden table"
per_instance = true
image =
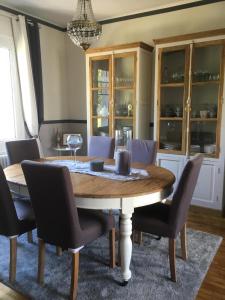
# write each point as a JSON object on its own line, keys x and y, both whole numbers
{"x": 95, "y": 192}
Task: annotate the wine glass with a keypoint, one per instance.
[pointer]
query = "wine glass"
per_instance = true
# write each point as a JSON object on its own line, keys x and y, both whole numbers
{"x": 74, "y": 142}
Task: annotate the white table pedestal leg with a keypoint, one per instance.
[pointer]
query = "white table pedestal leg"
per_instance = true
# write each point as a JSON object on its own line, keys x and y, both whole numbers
{"x": 125, "y": 245}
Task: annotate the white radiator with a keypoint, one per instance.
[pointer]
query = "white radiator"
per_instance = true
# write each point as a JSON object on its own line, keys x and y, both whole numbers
{"x": 4, "y": 160}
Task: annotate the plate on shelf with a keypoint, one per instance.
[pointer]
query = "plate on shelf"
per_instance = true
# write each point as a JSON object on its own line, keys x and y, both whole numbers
{"x": 171, "y": 146}
{"x": 195, "y": 148}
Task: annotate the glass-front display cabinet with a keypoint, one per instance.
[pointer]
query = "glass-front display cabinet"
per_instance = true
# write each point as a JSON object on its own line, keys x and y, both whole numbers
{"x": 116, "y": 96}
{"x": 190, "y": 97}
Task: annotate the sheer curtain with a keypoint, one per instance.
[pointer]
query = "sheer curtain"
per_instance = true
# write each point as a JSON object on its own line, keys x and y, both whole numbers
{"x": 25, "y": 75}
{"x": 11, "y": 113}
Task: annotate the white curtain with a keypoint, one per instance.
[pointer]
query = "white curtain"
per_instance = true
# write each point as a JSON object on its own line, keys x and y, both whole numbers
{"x": 25, "y": 75}
{"x": 11, "y": 113}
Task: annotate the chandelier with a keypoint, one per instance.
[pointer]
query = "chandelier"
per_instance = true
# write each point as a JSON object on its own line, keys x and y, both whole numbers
{"x": 84, "y": 29}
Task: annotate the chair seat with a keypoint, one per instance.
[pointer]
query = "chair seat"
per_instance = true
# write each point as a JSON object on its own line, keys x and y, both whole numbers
{"x": 94, "y": 224}
{"x": 25, "y": 215}
{"x": 153, "y": 219}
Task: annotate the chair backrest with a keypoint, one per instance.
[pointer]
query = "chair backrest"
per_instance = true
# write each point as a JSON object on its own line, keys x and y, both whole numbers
{"x": 143, "y": 151}
{"x": 101, "y": 146}
{"x": 9, "y": 223}
{"x": 22, "y": 149}
{"x": 183, "y": 194}
{"x": 54, "y": 205}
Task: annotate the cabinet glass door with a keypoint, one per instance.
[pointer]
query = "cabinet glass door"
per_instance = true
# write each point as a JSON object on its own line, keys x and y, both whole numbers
{"x": 205, "y": 98}
{"x": 124, "y": 91}
{"x": 100, "y": 95}
{"x": 173, "y": 78}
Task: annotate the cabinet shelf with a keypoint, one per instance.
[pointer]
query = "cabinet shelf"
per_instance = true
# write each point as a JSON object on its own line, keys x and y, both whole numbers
{"x": 124, "y": 87}
{"x": 123, "y": 117}
{"x": 100, "y": 88}
{"x": 171, "y": 119}
{"x": 205, "y": 82}
{"x": 172, "y": 84}
{"x": 203, "y": 119}
{"x": 100, "y": 117}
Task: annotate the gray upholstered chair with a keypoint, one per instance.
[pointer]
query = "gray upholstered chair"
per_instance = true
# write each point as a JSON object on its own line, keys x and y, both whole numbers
{"x": 143, "y": 151}
{"x": 168, "y": 220}
{"x": 59, "y": 222}
{"x": 17, "y": 151}
{"x": 16, "y": 218}
{"x": 22, "y": 149}
{"x": 101, "y": 146}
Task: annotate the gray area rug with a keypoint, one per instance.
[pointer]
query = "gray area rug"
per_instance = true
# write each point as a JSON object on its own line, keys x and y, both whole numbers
{"x": 150, "y": 269}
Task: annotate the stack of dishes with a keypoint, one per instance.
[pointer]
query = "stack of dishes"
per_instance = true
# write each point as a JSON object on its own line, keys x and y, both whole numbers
{"x": 171, "y": 146}
{"x": 195, "y": 148}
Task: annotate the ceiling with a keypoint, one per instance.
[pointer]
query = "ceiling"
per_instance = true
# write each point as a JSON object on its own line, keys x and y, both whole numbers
{"x": 60, "y": 12}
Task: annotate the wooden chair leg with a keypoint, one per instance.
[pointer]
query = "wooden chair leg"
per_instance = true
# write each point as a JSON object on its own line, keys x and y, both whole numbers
{"x": 30, "y": 237}
{"x": 118, "y": 254}
{"x": 41, "y": 261}
{"x": 74, "y": 276}
{"x": 58, "y": 251}
{"x": 139, "y": 237}
{"x": 112, "y": 239}
{"x": 183, "y": 242}
{"x": 172, "y": 259}
{"x": 13, "y": 258}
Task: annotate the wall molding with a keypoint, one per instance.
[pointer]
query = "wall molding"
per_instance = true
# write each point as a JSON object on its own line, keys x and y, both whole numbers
{"x": 70, "y": 121}
{"x": 160, "y": 11}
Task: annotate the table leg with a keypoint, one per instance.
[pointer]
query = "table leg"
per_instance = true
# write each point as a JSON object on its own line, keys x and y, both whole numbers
{"x": 125, "y": 246}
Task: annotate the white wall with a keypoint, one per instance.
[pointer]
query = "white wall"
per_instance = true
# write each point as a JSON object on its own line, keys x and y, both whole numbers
{"x": 146, "y": 29}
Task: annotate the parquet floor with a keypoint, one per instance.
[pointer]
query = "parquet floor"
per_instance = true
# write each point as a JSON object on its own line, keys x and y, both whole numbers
{"x": 213, "y": 286}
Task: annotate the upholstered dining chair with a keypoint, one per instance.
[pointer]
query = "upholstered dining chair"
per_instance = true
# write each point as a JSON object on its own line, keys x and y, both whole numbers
{"x": 143, "y": 151}
{"x": 59, "y": 222}
{"x": 168, "y": 220}
{"x": 101, "y": 146}
{"x": 17, "y": 151}
{"x": 16, "y": 218}
{"x": 22, "y": 149}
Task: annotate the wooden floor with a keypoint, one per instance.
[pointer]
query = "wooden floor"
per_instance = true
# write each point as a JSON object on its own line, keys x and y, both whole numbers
{"x": 213, "y": 286}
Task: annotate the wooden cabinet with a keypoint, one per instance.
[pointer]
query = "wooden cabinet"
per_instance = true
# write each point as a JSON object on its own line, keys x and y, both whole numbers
{"x": 189, "y": 114}
{"x": 118, "y": 89}
{"x": 190, "y": 89}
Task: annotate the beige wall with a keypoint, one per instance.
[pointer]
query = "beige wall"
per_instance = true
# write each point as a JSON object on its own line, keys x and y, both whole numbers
{"x": 54, "y": 72}
{"x": 76, "y": 81}
{"x": 63, "y": 71}
{"x": 146, "y": 29}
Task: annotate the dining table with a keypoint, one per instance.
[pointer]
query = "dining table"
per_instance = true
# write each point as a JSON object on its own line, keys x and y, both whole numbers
{"x": 95, "y": 192}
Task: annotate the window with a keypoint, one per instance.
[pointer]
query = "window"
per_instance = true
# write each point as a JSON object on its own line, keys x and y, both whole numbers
{"x": 11, "y": 117}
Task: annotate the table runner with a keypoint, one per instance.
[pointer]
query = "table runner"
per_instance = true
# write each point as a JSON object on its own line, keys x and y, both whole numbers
{"x": 108, "y": 172}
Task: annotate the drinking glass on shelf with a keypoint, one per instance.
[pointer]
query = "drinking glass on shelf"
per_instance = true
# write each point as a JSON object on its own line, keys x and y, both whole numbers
{"x": 74, "y": 142}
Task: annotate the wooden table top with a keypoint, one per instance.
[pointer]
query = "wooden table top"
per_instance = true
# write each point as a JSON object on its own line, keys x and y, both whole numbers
{"x": 87, "y": 186}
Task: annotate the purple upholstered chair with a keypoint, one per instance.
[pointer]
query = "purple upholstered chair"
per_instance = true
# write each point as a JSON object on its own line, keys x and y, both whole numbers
{"x": 16, "y": 218}
{"x": 22, "y": 149}
{"x": 143, "y": 151}
{"x": 169, "y": 220}
{"x": 101, "y": 146}
{"x": 59, "y": 222}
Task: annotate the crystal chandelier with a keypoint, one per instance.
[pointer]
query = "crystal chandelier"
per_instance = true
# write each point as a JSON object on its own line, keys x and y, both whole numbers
{"x": 84, "y": 29}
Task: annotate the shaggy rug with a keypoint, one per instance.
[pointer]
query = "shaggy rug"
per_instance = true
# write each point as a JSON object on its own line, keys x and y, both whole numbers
{"x": 149, "y": 266}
